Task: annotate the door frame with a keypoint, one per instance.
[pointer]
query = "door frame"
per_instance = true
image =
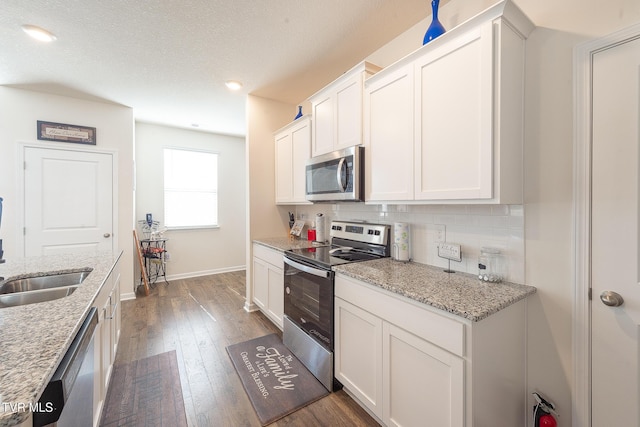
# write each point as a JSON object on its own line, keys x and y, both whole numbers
{"x": 23, "y": 145}
{"x": 581, "y": 323}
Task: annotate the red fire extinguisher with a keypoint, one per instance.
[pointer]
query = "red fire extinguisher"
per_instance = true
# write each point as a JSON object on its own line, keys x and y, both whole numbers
{"x": 542, "y": 412}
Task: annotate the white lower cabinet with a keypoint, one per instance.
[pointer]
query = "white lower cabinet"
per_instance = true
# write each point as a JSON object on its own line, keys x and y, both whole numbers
{"x": 423, "y": 381}
{"x": 358, "y": 353}
{"x": 397, "y": 376}
{"x": 268, "y": 282}
{"x": 409, "y": 364}
{"x": 106, "y": 338}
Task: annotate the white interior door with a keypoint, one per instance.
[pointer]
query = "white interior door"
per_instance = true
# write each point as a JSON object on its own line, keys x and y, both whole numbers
{"x": 68, "y": 201}
{"x": 615, "y": 236}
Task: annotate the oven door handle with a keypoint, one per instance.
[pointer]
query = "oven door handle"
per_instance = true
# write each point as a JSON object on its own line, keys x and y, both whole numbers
{"x": 315, "y": 271}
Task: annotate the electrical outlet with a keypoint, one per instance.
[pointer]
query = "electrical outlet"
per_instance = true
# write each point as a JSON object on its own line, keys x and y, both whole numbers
{"x": 440, "y": 233}
{"x": 450, "y": 251}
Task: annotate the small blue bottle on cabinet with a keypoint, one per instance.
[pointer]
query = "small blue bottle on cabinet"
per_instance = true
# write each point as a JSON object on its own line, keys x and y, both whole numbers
{"x": 435, "y": 29}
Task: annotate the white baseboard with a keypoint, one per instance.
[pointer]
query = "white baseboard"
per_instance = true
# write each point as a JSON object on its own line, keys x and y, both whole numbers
{"x": 127, "y": 296}
{"x": 204, "y": 273}
{"x": 132, "y": 295}
{"x": 250, "y": 307}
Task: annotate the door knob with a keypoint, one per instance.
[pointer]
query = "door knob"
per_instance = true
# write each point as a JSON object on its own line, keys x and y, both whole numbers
{"x": 612, "y": 299}
{"x": 106, "y": 235}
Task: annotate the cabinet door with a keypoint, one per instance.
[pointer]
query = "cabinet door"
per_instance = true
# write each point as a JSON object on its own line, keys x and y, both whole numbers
{"x": 276, "y": 295}
{"x": 115, "y": 320}
{"x": 389, "y": 140}
{"x": 358, "y": 354}
{"x": 284, "y": 168}
{"x": 260, "y": 283}
{"x": 323, "y": 126}
{"x": 98, "y": 393}
{"x": 301, "y": 141}
{"x": 424, "y": 384}
{"x": 105, "y": 345}
{"x": 454, "y": 119}
{"x": 348, "y": 115}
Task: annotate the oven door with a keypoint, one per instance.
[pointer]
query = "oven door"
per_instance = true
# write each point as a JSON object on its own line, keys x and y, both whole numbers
{"x": 308, "y": 299}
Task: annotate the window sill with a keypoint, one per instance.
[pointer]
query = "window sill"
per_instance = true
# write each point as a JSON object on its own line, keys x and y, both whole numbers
{"x": 197, "y": 227}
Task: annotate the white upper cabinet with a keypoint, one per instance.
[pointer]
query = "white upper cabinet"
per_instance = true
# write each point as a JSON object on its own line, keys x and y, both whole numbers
{"x": 388, "y": 132}
{"x": 454, "y": 118}
{"x": 337, "y": 111}
{"x": 454, "y": 109}
{"x": 293, "y": 145}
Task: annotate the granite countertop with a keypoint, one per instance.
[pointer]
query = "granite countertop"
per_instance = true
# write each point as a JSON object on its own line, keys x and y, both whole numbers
{"x": 35, "y": 337}
{"x": 285, "y": 243}
{"x": 457, "y": 293}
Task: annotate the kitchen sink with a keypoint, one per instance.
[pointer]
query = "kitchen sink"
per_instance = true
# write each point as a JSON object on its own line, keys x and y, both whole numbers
{"x": 43, "y": 282}
{"x": 30, "y": 290}
{"x": 32, "y": 297}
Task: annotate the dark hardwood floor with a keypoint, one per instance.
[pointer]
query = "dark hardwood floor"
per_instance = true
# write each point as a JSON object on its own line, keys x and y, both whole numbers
{"x": 198, "y": 318}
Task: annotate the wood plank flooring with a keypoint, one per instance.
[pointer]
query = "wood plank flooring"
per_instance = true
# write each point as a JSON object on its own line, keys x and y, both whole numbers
{"x": 198, "y": 318}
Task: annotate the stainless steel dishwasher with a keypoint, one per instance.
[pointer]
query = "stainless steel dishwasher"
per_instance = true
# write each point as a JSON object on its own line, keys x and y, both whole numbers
{"x": 68, "y": 398}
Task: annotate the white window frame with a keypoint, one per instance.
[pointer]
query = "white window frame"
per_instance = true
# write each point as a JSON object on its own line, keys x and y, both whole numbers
{"x": 217, "y": 190}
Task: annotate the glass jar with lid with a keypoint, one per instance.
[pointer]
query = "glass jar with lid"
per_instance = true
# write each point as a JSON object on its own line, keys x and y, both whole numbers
{"x": 490, "y": 265}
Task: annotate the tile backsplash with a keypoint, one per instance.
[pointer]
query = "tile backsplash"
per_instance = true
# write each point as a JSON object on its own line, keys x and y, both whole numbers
{"x": 470, "y": 226}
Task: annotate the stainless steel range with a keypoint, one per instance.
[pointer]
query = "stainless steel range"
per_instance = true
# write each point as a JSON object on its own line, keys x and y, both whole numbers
{"x": 309, "y": 288}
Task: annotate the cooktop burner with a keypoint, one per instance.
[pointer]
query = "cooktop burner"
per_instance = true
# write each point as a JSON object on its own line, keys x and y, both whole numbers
{"x": 351, "y": 242}
{"x": 324, "y": 256}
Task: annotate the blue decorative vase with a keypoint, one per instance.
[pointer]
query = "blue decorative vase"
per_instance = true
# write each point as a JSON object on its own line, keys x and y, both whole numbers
{"x": 435, "y": 29}
{"x": 299, "y": 113}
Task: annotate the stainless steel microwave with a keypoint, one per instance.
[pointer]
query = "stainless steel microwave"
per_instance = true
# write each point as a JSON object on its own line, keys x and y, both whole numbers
{"x": 336, "y": 176}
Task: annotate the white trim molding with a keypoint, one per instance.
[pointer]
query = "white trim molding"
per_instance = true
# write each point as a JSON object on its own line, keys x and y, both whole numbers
{"x": 581, "y": 328}
{"x": 191, "y": 274}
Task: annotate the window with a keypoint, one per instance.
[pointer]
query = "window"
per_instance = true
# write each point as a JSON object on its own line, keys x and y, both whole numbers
{"x": 190, "y": 188}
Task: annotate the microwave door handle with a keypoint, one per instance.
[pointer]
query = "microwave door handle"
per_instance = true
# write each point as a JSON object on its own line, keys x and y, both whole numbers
{"x": 316, "y": 272}
{"x": 341, "y": 183}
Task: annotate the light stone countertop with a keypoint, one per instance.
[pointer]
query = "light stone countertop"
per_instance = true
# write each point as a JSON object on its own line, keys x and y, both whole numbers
{"x": 458, "y": 293}
{"x": 35, "y": 337}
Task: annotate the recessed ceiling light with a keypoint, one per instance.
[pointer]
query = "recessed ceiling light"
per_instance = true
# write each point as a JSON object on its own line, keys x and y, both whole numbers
{"x": 233, "y": 84}
{"x": 38, "y": 33}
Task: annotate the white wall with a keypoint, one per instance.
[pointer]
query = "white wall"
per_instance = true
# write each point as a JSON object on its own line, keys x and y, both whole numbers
{"x": 264, "y": 219}
{"x": 19, "y": 111}
{"x": 201, "y": 251}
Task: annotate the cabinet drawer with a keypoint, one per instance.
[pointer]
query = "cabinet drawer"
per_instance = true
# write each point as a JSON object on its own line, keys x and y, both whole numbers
{"x": 414, "y": 317}
{"x": 271, "y": 256}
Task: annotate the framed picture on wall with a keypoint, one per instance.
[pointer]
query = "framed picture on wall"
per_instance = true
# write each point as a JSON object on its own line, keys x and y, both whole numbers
{"x": 62, "y": 132}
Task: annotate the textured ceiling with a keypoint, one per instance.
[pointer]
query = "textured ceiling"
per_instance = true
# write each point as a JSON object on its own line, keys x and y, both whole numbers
{"x": 169, "y": 59}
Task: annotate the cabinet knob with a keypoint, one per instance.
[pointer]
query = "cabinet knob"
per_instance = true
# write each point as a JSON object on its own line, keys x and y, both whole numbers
{"x": 106, "y": 235}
